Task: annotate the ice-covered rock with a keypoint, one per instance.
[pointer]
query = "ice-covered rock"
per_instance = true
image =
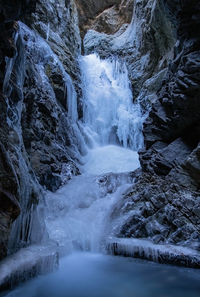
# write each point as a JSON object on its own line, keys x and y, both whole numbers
{"x": 34, "y": 131}
{"x": 27, "y": 263}
{"x": 144, "y": 249}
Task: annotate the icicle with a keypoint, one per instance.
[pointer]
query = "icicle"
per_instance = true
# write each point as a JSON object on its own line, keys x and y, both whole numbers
{"x": 71, "y": 99}
{"x": 48, "y": 31}
{"x": 9, "y": 67}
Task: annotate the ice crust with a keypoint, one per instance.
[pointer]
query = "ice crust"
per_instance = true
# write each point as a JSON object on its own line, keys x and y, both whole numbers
{"x": 145, "y": 249}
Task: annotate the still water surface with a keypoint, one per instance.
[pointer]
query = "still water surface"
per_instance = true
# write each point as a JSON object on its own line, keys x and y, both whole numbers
{"x": 97, "y": 275}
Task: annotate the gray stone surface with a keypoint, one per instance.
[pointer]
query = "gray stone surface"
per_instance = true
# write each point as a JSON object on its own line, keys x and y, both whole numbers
{"x": 104, "y": 16}
{"x": 160, "y": 209}
{"x": 19, "y": 189}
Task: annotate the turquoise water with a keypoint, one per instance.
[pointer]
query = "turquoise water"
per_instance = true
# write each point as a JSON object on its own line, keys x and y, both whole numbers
{"x": 97, "y": 275}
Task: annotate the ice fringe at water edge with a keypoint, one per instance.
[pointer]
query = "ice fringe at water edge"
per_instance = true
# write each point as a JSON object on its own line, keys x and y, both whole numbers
{"x": 140, "y": 248}
{"x": 77, "y": 215}
{"x": 27, "y": 263}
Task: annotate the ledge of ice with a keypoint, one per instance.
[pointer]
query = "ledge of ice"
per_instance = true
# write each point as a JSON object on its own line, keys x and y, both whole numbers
{"x": 144, "y": 249}
{"x": 27, "y": 263}
{"x": 110, "y": 158}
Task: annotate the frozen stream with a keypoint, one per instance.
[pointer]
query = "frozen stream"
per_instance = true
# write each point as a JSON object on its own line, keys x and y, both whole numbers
{"x": 78, "y": 214}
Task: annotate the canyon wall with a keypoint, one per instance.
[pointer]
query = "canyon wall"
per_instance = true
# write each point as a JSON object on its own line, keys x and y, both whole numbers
{"x": 164, "y": 205}
{"x": 17, "y": 181}
{"x": 37, "y": 147}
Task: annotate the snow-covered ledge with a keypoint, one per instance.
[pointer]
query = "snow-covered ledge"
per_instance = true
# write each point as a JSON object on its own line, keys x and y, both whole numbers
{"x": 144, "y": 249}
{"x": 27, "y": 263}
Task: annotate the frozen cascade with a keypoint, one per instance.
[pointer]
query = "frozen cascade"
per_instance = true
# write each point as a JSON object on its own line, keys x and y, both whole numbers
{"x": 109, "y": 112}
{"x": 78, "y": 214}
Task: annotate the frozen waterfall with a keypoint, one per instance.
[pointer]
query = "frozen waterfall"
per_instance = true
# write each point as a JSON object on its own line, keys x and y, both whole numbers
{"x": 110, "y": 116}
{"x": 112, "y": 122}
{"x": 78, "y": 214}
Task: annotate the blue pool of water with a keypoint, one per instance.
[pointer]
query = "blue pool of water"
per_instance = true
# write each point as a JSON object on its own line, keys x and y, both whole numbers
{"x": 97, "y": 275}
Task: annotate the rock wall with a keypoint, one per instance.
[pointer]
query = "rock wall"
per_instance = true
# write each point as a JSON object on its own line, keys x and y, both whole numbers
{"x": 164, "y": 203}
{"x": 38, "y": 145}
{"x": 17, "y": 181}
{"x": 46, "y": 131}
{"x": 104, "y": 16}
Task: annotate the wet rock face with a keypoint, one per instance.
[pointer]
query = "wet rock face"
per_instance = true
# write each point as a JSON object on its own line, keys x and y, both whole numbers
{"x": 57, "y": 23}
{"x": 45, "y": 127}
{"x": 10, "y": 12}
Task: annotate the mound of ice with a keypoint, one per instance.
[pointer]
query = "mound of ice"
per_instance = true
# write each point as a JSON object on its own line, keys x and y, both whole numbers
{"x": 110, "y": 158}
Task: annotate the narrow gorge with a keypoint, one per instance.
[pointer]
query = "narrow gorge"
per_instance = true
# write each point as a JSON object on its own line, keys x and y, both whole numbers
{"x": 99, "y": 148}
